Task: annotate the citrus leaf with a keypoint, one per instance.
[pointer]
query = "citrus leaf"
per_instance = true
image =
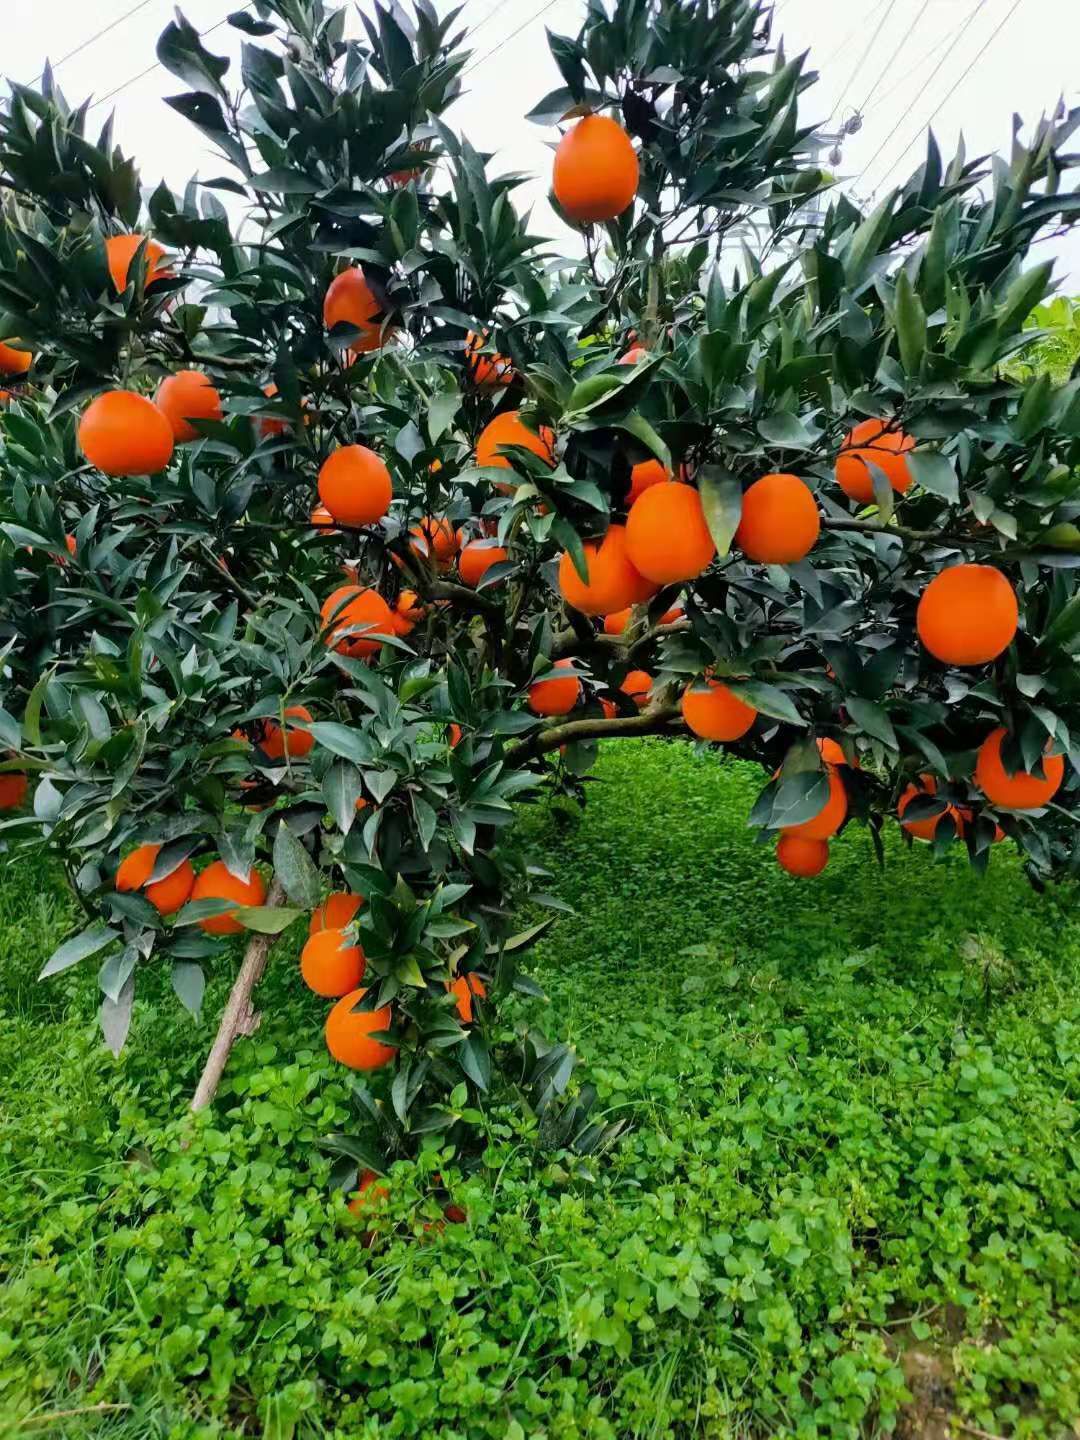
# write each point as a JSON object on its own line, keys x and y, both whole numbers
{"x": 721, "y": 500}
{"x": 296, "y": 869}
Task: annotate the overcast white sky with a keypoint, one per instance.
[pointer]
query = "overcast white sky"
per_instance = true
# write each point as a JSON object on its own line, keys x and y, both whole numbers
{"x": 878, "y": 56}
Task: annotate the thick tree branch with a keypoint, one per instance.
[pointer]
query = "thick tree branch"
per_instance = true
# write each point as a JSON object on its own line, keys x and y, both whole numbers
{"x": 239, "y": 1016}
{"x": 905, "y": 532}
{"x": 652, "y": 721}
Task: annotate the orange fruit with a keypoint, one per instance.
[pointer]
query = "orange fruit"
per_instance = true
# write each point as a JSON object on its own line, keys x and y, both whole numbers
{"x": 667, "y": 538}
{"x": 188, "y": 395}
{"x": 135, "y": 869}
{"x": 349, "y": 300}
{"x": 643, "y": 476}
{"x": 832, "y": 752}
{"x": 352, "y": 605}
{"x": 617, "y": 621}
{"x": 613, "y": 584}
{"x": 437, "y": 541}
{"x": 633, "y": 355}
{"x": 334, "y": 913}
{"x": 293, "y": 741}
{"x": 369, "y": 1194}
{"x": 829, "y": 818}
{"x": 407, "y": 613}
{"x": 217, "y": 882}
{"x": 12, "y": 361}
{"x": 801, "y": 857}
{"x": 463, "y": 989}
{"x": 125, "y": 434}
{"x": 609, "y": 709}
{"x": 555, "y": 696}
{"x": 926, "y": 829}
{"x": 488, "y": 371}
{"x": 348, "y": 1034}
{"x": 321, "y": 518}
{"x": 967, "y": 615}
{"x": 120, "y": 251}
{"x": 670, "y": 617}
{"x": 509, "y": 429}
{"x": 454, "y": 734}
{"x": 477, "y": 559}
{"x": 355, "y": 485}
{"x": 330, "y": 965}
{"x": 1022, "y": 791}
{"x": 266, "y": 427}
{"x": 13, "y": 788}
{"x": 172, "y": 891}
{"x": 780, "y": 523}
{"x": 873, "y": 441}
{"x": 637, "y": 685}
{"x": 715, "y": 713}
{"x": 596, "y": 170}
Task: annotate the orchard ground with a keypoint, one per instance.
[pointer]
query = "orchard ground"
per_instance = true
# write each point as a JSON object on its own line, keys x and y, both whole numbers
{"x": 851, "y": 1178}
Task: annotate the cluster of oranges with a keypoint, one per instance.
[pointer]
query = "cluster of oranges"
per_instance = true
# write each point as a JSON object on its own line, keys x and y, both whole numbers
{"x": 171, "y": 891}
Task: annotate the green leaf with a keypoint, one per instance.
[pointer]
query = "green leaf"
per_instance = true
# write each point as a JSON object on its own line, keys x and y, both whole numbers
{"x": 181, "y": 51}
{"x": 786, "y": 431}
{"x": 472, "y": 1055}
{"x": 872, "y": 718}
{"x": 269, "y": 919}
{"x": 769, "y": 699}
{"x": 189, "y": 982}
{"x": 350, "y": 744}
{"x": 640, "y": 428}
{"x": 721, "y": 500}
{"x": 934, "y": 472}
{"x": 94, "y": 938}
{"x": 296, "y": 869}
{"x": 342, "y": 787}
{"x": 910, "y": 325}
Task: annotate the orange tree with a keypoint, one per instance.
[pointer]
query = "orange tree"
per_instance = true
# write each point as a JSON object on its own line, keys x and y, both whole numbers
{"x": 340, "y": 514}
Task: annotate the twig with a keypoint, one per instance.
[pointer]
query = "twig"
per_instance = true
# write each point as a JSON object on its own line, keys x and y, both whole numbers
{"x": 217, "y": 568}
{"x": 101, "y": 1409}
{"x": 962, "y": 1425}
{"x": 651, "y": 721}
{"x": 239, "y": 1017}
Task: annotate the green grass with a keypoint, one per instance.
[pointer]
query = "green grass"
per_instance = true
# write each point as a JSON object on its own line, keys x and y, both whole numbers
{"x": 854, "y": 1147}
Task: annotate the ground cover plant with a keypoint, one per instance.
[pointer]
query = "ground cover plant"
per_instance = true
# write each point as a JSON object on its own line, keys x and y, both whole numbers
{"x": 851, "y": 1171}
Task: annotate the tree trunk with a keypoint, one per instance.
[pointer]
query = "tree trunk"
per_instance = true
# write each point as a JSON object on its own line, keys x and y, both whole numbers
{"x": 239, "y": 1016}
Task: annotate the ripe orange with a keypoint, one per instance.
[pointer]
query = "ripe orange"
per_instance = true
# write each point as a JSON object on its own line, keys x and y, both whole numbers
{"x": 437, "y": 541}
{"x": 802, "y": 857}
{"x": 217, "y": 882}
{"x": 555, "y": 696}
{"x": 829, "y": 818}
{"x": 477, "y": 559}
{"x": 349, "y": 300}
{"x": 172, "y": 891}
{"x": 967, "y": 615}
{"x": 454, "y": 734}
{"x": 715, "y": 713}
{"x": 613, "y": 584}
{"x": 352, "y": 605}
{"x": 670, "y": 617}
{"x": 1022, "y": 791}
{"x": 667, "y": 538}
{"x": 348, "y": 1034}
{"x": 926, "y": 829}
{"x": 12, "y": 361}
{"x": 509, "y": 429}
{"x": 463, "y": 989}
{"x": 321, "y": 518}
{"x": 135, "y": 869}
{"x": 120, "y": 251}
{"x": 609, "y": 709}
{"x": 637, "y": 685}
{"x": 188, "y": 395}
{"x": 334, "y": 913}
{"x": 617, "y": 621}
{"x": 13, "y": 788}
{"x": 355, "y": 485}
{"x": 832, "y": 753}
{"x": 596, "y": 170}
{"x": 293, "y": 741}
{"x": 407, "y": 613}
{"x": 487, "y": 371}
{"x": 369, "y": 1194}
{"x": 125, "y": 434}
{"x": 872, "y": 441}
{"x": 645, "y": 475}
{"x": 780, "y": 523}
{"x": 266, "y": 427}
{"x": 633, "y": 355}
{"x": 330, "y": 965}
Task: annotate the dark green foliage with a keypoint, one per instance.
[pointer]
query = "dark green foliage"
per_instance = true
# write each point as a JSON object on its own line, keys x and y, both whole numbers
{"x": 852, "y": 1138}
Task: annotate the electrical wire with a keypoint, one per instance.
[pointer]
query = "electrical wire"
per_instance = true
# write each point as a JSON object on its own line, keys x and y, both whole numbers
{"x": 93, "y": 39}
{"x": 909, "y": 74}
{"x": 861, "y": 109}
{"x": 962, "y": 77}
{"x": 134, "y": 79}
{"x": 971, "y": 15}
{"x": 862, "y": 59}
{"x": 506, "y": 40}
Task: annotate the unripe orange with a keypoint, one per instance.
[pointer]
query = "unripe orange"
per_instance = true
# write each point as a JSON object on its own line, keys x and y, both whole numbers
{"x": 355, "y": 485}
{"x": 780, "y": 523}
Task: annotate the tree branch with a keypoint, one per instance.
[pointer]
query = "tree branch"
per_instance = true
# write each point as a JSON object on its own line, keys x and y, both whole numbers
{"x": 905, "y": 532}
{"x": 239, "y": 1017}
{"x": 652, "y": 721}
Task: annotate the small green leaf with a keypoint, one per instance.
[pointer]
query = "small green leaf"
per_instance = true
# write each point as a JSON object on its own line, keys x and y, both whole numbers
{"x": 721, "y": 500}
{"x": 296, "y": 869}
{"x": 88, "y": 942}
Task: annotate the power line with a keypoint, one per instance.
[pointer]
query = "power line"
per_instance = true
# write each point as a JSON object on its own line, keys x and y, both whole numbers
{"x": 856, "y": 29}
{"x": 968, "y": 18}
{"x": 133, "y": 79}
{"x": 506, "y": 40}
{"x": 907, "y": 75}
{"x": 959, "y": 81}
{"x": 861, "y": 109}
{"x": 93, "y": 39}
{"x": 862, "y": 58}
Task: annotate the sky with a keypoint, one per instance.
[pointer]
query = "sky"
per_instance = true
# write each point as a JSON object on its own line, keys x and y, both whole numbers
{"x": 964, "y": 65}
